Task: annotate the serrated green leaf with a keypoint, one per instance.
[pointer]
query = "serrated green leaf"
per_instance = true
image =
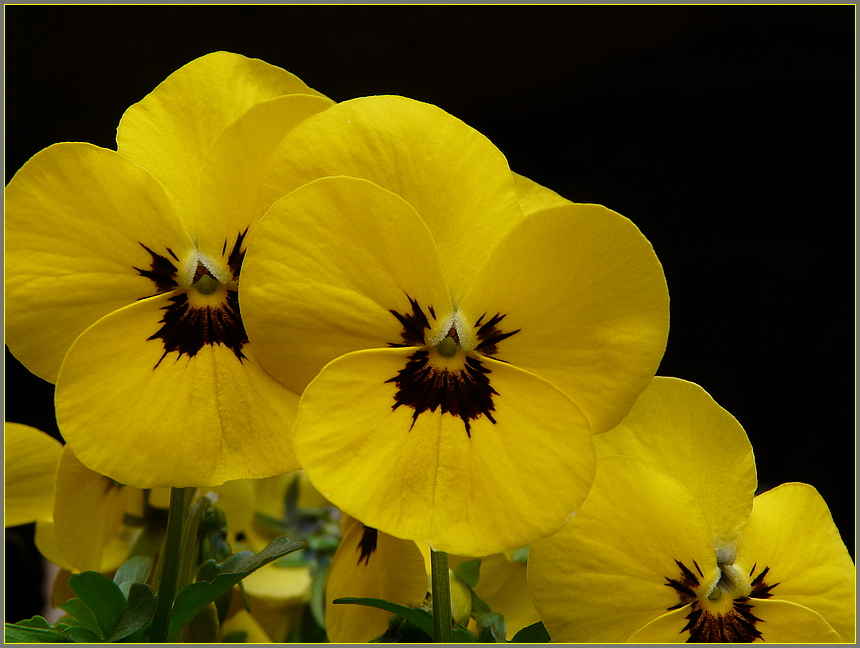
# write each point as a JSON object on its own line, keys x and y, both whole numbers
{"x": 491, "y": 627}
{"x": 462, "y": 635}
{"x": 82, "y": 615}
{"x": 469, "y": 571}
{"x": 79, "y": 634}
{"x": 420, "y": 618}
{"x": 478, "y": 604}
{"x": 102, "y": 596}
{"x": 20, "y": 633}
{"x": 197, "y": 596}
{"x": 137, "y": 613}
{"x": 37, "y": 621}
{"x": 535, "y": 633}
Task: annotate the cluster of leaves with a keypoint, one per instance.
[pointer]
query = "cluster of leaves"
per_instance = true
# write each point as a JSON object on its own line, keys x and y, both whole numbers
{"x": 122, "y": 609}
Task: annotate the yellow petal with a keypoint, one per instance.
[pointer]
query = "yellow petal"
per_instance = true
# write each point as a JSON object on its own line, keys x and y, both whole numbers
{"x": 503, "y": 587}
{"x": 149, "y": 418}
{"x": 30, "y": 460}
{"x": 587, "y": 294}
{"x": 470, "y": 491}
{"x": 781, "y": 622}
{"x": 455, "y": 178}
{"x": 676, "y": 428}
{"x": 604, "y": 575}
{"x": 243, "y": 621}
{"x": 170, "y": 131}
{"x": 77, "y": 218}
{"x": 324, "y": 270}
{"x": 534, "y": 197}
{"x": 234, "y": 169}
{"x": 88, "y": 512}
{"x": 370, "y": 563}
{"x": 791, "y": 532}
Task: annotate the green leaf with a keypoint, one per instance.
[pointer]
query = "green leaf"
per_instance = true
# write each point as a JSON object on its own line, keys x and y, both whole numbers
{"x": 102, "y": 596}
{"x": 491, "y": 627}
{"x": 134, "y": 570}
{"x": 137, "y": 613}
{"x": 420, "y": 618}
{"x": 469, "y": 571}
{"x": 535, "y": 633}
{"x": 220, "y": 578}
{"x": 79, "y": 634}
{"x": 84, "y": 617}
{"x": 32, "y": 631}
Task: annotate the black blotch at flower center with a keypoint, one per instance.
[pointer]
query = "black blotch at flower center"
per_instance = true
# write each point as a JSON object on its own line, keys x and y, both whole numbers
{"x": 367, "y": 544}
{"x": 737, "y": 625}
{"x": 466, "y": 392}
{"x": 185, "y": 329}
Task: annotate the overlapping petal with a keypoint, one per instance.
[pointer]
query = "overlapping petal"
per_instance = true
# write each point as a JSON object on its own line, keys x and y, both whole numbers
{"x": 77, "y": 218}
{"x": 534, "y": 197}
{"x": 370, "y": 563}
{"x": 170, "y": 131}
{"x": 183, "y": 421}
{"x": 327, "y": 265}
{"x": 30, "y": 461}
{"x": 603, "y": 576}
{"x": 678, "y": 429}
{"x": 456, "y": 179}
{"x": 235, "y": 166}
{"x": 587, "y": 294}
{"x": 791, "y": 531}
{"x": 88, "y": 511}
{"x": 428, "y": 478}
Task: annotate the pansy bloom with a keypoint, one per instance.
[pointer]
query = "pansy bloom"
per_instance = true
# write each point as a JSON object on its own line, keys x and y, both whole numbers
{"x": 122, "y": 272}
{"x": 460, "y": 334}
{"x": 671, "y": 545}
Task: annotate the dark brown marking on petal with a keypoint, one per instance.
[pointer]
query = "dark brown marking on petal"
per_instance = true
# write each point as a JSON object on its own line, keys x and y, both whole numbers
{"x": 172, "y": 253}
{"x": 698, "y": 569}
{"x": 367, "y": 544}
{"x": 737, "y": 625}
{"x": 414, "y": 324}
{"x": 161, "y": 272}
{"x": 465, "y": 393}
{"x": 186, "y": 329}
{"x": 432, "y": 312}
{"x": 489, "y": 335}
{"x": 237, "y": 254}
{"x": 684, "y": 586}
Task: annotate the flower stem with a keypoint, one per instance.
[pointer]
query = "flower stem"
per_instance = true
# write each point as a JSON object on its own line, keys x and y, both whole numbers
{"x": 441, "y": 596}
{"x": 179, "y": 499}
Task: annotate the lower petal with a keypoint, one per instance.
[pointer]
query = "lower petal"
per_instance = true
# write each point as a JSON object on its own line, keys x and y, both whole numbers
{"x": 149, "y": 418}
{"x": 30, "y": 460}
{"x": 467, "y": 486}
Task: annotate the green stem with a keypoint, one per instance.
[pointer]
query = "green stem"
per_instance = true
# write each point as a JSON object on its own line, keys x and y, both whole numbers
{"x": 441, "y": 597}
{"x": 179, "y": 499}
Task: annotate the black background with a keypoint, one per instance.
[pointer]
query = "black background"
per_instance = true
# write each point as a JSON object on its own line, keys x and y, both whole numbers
{"x": 726, "y": 133}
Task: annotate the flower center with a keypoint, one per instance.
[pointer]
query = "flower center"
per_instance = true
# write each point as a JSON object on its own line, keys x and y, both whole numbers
{"x": 449, "y": 345}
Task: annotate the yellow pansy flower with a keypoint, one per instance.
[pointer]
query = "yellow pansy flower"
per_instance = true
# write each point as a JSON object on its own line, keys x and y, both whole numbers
{"x": 671, "y": 546}
{"x": 122, "y": 277}
{"x": 464, "y": 333}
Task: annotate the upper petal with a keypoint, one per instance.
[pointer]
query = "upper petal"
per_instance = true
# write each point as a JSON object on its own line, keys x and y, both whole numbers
{"x": 77, "y": 220}
{"x": 467, "y": 486}
{"x": 169, "y": 132}
{"x": 232, "y": 180}
{"x": 455, "y": 178}
{"x": 587, "y": 294}
{"x": 324, "y": 270}
{"x": 147, "y": 417}
{"x": 534, "y": 197}
{"x": 30, "y": 460}
{"x": 605, "y": 574}
{"x": 791, "y": 532}
{"x": 678, "y": 429}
